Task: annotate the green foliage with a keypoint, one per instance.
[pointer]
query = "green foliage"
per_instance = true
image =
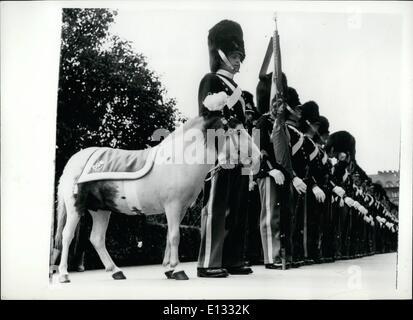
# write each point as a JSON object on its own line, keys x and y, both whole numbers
{"x": 107, "y": 95}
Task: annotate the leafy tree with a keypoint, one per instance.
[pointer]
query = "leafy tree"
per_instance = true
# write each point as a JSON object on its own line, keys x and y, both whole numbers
{"x": 107, "y": 95}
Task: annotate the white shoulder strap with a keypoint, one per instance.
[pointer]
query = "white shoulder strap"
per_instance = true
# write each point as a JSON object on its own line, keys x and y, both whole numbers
{"x": 315, "y": 151}
{"x": 236, "y": 93}
{"x": 300, "y": 141}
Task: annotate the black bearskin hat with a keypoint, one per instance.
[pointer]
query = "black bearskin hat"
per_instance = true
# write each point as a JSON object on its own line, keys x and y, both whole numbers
{"x": 378, "y": 189}
{"x": 227, "y": 36}
{"x": 264, "y": 92}
{"x": 324, "y": 125}
{"x": 249, "y": 104}
{"x": 342, "y": 141}
{"x": 248, "y": 97}
{"x": 293, "y": 100}
{"x": 310, "y": 112}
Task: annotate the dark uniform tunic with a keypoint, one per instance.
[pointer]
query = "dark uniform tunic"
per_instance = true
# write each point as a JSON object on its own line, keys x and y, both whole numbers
{"x": 323, "y": 179}
{"x": 225, "y": 202}
{"x": 316, "y": 211}
{"x": 301, "y": 149}
{"x": 338, "y": 176}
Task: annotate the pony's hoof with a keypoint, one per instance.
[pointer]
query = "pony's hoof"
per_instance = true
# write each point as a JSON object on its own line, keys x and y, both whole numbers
{"x": 180, "y": 275}
{"x": 118, "y": 276}
{"x": 53, "y": 269}
{"x": 169, "y": 274}
{"x": 64, "y": 278}
{"x": 80, "y": 269}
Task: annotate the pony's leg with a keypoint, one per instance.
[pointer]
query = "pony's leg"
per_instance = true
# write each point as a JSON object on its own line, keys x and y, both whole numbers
{"x": 167, "y": 257}
{"x": 98, "y": 237}
{"x": 173, "y": 216}
{"x": 72, "y": 220}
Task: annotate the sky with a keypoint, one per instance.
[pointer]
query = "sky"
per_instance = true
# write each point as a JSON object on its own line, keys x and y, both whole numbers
{"x": 348, "y": 62}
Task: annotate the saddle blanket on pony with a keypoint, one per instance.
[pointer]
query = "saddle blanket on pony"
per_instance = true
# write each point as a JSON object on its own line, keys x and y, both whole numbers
{"x": 118, "y": 164}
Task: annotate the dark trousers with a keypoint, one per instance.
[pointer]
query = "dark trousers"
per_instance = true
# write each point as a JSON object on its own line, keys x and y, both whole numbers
{"x": 379, "y": 238}
{"x": 297, "y": 226}
{"x": 345, "y": 226}
{"x": 354, "y": 240}
{"x": 315, "y": 226}
{"x": 287, "y": 205}
{"x": 327, "y": 231}
{"x": 253, "y": 243}
{"x": 336, "y": 226}
{"x": 223, "y": 224}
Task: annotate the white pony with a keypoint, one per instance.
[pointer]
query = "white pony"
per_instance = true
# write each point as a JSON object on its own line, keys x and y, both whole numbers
{"x": 181, "y": 162}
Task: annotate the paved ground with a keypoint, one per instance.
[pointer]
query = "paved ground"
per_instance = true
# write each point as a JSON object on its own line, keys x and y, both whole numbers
{"x": 364, "y": 278}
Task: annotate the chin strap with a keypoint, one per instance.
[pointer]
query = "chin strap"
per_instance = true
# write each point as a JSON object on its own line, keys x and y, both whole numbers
{"x": 225, "y": 59}
{"x": 291, "y": 110}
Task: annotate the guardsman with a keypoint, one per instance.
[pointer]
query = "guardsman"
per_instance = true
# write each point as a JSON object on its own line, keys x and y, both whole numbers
{"x": 318, "y": 173}
{"x": 322, "y": 176}
{"x": 341, "y": 149}
{"x": 288, "y": 141}
{"x": 225, "y": 201}
{"x": 270, "y": 181}
{"x": 294, "y": 160}
{"x": 307, "y": 213}
{"x": 358, "y": 232}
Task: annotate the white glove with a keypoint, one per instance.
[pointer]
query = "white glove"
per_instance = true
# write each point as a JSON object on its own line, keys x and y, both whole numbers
{"x": 349, "y": 202}
{"x": 299, "y": 185}
{"x": 372, "y": 222}
{"x": 251, "y": 185}
{"x": 356, "y": 205}
{"x": 222, "y": 160}
{"x": 277, "y": 175}
{"x": 319, "y": 194}
{"x": 339, "y": 191}
{"x": 333, "y": 161}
